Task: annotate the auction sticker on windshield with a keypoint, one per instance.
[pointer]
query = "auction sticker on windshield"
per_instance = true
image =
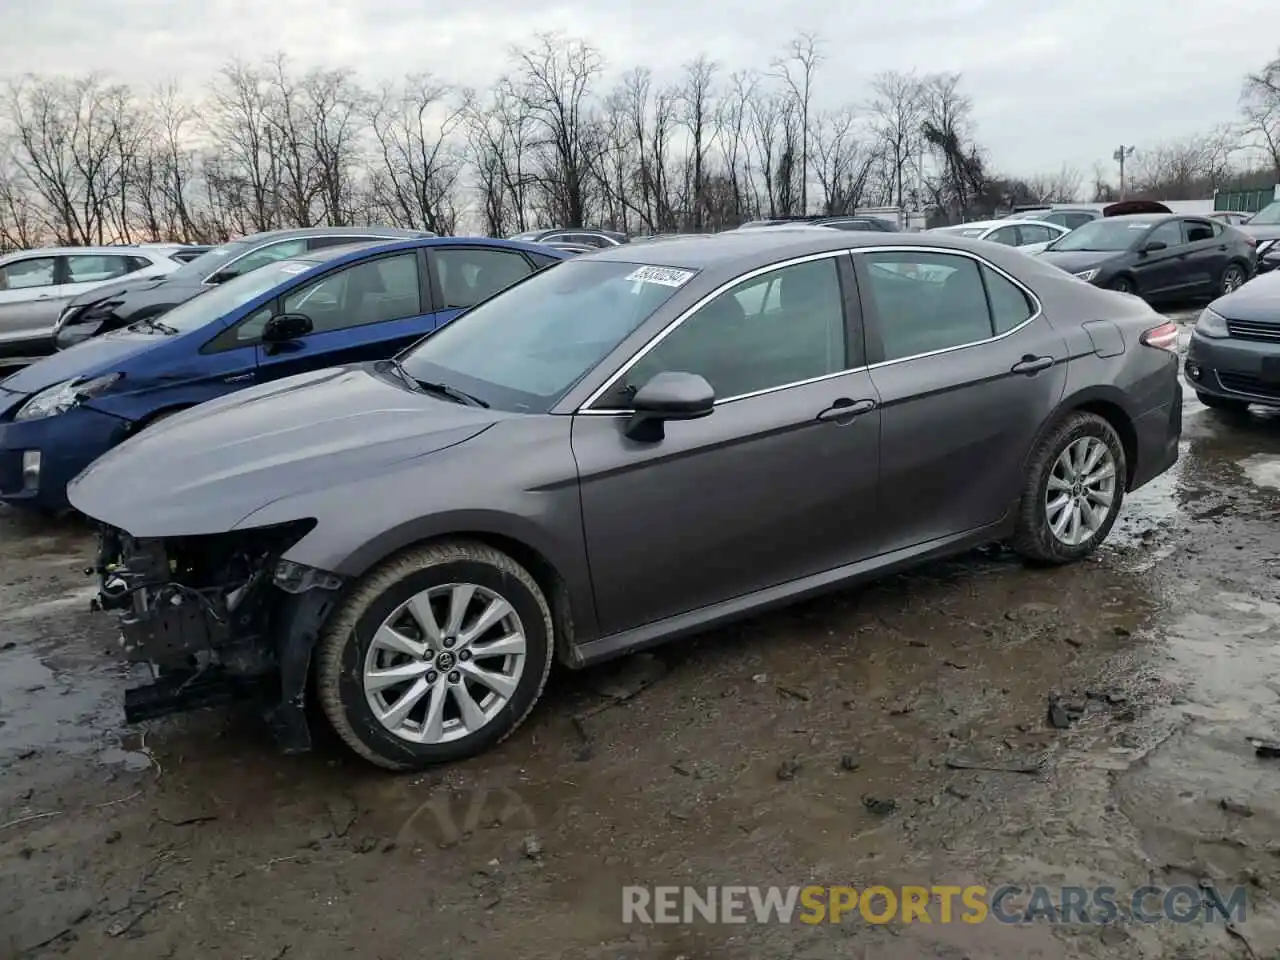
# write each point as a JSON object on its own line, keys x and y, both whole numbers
{"x": 667, "y": 276}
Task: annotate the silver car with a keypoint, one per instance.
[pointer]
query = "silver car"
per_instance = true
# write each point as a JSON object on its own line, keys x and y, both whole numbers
{"x": 35, "y": 284}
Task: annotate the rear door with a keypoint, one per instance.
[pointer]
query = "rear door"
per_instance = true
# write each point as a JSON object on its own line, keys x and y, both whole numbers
{"x": 368, "y": 310}
{"x": 1206, "y": 255}
{"x": 30, "y": 299}
{"x": 967, "y": 371}
{"x": 462, "y": 276}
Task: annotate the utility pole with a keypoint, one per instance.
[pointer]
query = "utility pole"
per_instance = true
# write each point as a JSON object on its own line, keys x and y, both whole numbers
{"x": 1122, "y": 154}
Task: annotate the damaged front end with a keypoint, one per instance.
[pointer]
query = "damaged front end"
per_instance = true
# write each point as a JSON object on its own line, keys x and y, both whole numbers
{"x": 216, "y": 618}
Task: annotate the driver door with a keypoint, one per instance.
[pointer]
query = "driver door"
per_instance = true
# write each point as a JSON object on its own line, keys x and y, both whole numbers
{"x": 774, "y": 486}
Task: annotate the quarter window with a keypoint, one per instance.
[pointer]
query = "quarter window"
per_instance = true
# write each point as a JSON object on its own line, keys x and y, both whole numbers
{"x": 1010, "y": 307}
{"x": 467, "y": 276}
{"x": 927, "y": 301}
{"x": 779, "y": 328}
{"x": 24, "y": 274}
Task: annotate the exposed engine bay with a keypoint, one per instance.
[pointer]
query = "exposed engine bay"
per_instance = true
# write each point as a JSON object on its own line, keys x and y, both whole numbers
{"x": 204, "y": 613}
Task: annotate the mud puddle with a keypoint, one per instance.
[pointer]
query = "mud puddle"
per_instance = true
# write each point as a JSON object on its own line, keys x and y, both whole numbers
{"x": 898, "y": 734}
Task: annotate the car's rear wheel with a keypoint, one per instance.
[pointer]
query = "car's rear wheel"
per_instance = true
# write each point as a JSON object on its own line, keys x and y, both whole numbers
{"x": 1232, "y": 278}
{"x": 437, "y": 655}
{"x": 1225, "y": 404}
{"x": 1123, "y": 285}
{"x": 1073, "y": 491}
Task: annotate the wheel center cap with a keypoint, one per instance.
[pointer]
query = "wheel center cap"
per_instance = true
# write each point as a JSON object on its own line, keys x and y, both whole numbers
{"x": 1077, "y": 488}
{"x": 446, "y": 661}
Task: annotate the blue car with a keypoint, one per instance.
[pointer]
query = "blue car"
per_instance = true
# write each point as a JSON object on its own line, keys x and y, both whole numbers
{"x": 330, "y": 306}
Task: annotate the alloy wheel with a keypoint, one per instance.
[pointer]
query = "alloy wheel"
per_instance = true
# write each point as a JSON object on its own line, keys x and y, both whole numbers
{"x": 444, "y": 663}
{"x": 1080, "y": 491}
{"x": 1232, "y": 279}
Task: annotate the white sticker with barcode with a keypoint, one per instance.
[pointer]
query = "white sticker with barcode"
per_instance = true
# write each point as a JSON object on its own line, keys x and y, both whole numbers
{"x": 667, "y": 276}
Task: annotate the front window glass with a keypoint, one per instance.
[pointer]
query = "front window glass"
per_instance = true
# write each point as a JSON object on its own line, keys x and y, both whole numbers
{"x": 1105, "y": 235}
{"x": 1268, "y": 216}
{"x": 524, "y": 349}
{"x": 36, "y": 272}
{"x": 211, "y": 260}
{"x": 780, "y": 328}
{"x": 224, "y": 298}
{"x": 260, "y": 258}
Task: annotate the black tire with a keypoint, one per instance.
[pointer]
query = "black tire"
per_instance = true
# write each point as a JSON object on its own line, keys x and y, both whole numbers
{"x": 345, "y": 639}
{"x": 1225, "y": 404}
{"x": 1232, "y": 278}
{"x": 1033, "y": 539}
{"x": 1122, "y": 285}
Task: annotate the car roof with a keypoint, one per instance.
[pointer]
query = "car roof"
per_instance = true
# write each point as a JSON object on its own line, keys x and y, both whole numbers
{"x": 293, "y": 233}
{"x": 735, "y": 251}
{"x": 975, "y": 225}
{"x": 353, "y": 250}
{"x": 81, "y": 252}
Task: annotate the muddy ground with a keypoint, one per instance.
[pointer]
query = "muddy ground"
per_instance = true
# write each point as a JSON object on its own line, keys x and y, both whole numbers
{"x": 751, "y": 759}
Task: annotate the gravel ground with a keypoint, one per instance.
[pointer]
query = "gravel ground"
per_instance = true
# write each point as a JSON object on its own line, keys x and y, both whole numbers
{"x": 766, "y": 753}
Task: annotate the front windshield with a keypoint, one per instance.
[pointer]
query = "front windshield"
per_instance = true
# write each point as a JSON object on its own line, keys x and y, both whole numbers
{"x": 525, "y": 348}
{"x": 1102, "y": 235}
{"x": 972, "y": 232}
{"x": 1268, "y": 216}
{"x": 206, "y": 307}
{"x": 211, "y": 260}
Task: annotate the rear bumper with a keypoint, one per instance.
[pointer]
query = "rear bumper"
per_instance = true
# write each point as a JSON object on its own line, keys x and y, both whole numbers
{"x": 1158, "y": 432}
{"x": 1233, "y": 369}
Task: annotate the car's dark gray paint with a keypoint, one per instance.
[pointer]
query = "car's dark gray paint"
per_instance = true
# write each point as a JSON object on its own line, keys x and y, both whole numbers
{"x": 1243, "y": 367}
{"x": 772, "y": 497}
{"x": 1257, "y": 300}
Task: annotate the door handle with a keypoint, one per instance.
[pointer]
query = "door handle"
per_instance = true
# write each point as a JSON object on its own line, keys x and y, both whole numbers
{"x": 238, "y": 378}
{"x": 1030, "y": 365}
{"x": 846, "y": 409}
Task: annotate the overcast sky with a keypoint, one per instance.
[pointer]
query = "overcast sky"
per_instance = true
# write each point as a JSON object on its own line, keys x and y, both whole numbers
{"x": 1052, "y": 83}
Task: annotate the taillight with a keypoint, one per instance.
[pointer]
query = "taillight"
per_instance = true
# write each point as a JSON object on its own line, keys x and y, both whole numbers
{"x": 1163, "y": 337}
{"x": 1251, "y": 241}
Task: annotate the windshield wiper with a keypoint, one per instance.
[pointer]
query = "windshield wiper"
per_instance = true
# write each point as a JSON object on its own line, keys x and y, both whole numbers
{"x": 453, "y": 393}
{"x": 151, "y": 323}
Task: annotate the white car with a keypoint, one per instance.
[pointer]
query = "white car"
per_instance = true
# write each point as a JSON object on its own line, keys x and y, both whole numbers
{"x": 35, "y": 284}
{"x": 1029, "y": 236}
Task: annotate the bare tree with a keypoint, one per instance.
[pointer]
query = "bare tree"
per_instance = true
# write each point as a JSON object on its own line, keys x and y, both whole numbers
{"x": 552, "y": 82}
{"x": 796, "y": 71}
{"x": 420, "y": 166}
{"x": 1260, "y": 106}
{"x": 897, "y": 109}
{"x": 1065, "y": 186}
{"x": 698, "y": 115}
{"x": 1185, "y": 169}
{"x": 843, "y": 164}
{"x": 240, "y": 116}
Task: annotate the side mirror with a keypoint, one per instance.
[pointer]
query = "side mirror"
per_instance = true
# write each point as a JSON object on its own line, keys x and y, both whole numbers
{"x": 671, "y": 395}
{"x": 285, "y": 327}
{"x": 1153, "y": 245}
{"x": 222, "y": 276}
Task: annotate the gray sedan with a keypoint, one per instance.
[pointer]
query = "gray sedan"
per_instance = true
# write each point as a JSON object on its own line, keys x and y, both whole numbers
{"x": 620, "y": 450}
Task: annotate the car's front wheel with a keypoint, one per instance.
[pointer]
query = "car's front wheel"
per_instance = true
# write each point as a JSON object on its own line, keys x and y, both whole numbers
{"x": 1073, "y": 491}
{"x": 1123, "y": 285}
{"x": 436, "y": 655}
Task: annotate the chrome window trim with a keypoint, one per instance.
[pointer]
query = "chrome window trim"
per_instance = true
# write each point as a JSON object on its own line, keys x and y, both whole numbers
{"x": 1036, "y": 313}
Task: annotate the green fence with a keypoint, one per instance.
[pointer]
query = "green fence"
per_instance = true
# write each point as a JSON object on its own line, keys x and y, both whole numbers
{"x": 1245, "y": 201}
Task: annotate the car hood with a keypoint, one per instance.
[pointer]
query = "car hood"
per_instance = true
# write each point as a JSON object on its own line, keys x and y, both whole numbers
{"x": 207, "y": 469}
{"x": 1257, "y": 300}
{"x": 91, "y": 358}
{"x": 117, "y": 288}
{"x": 1074, "y": 261}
